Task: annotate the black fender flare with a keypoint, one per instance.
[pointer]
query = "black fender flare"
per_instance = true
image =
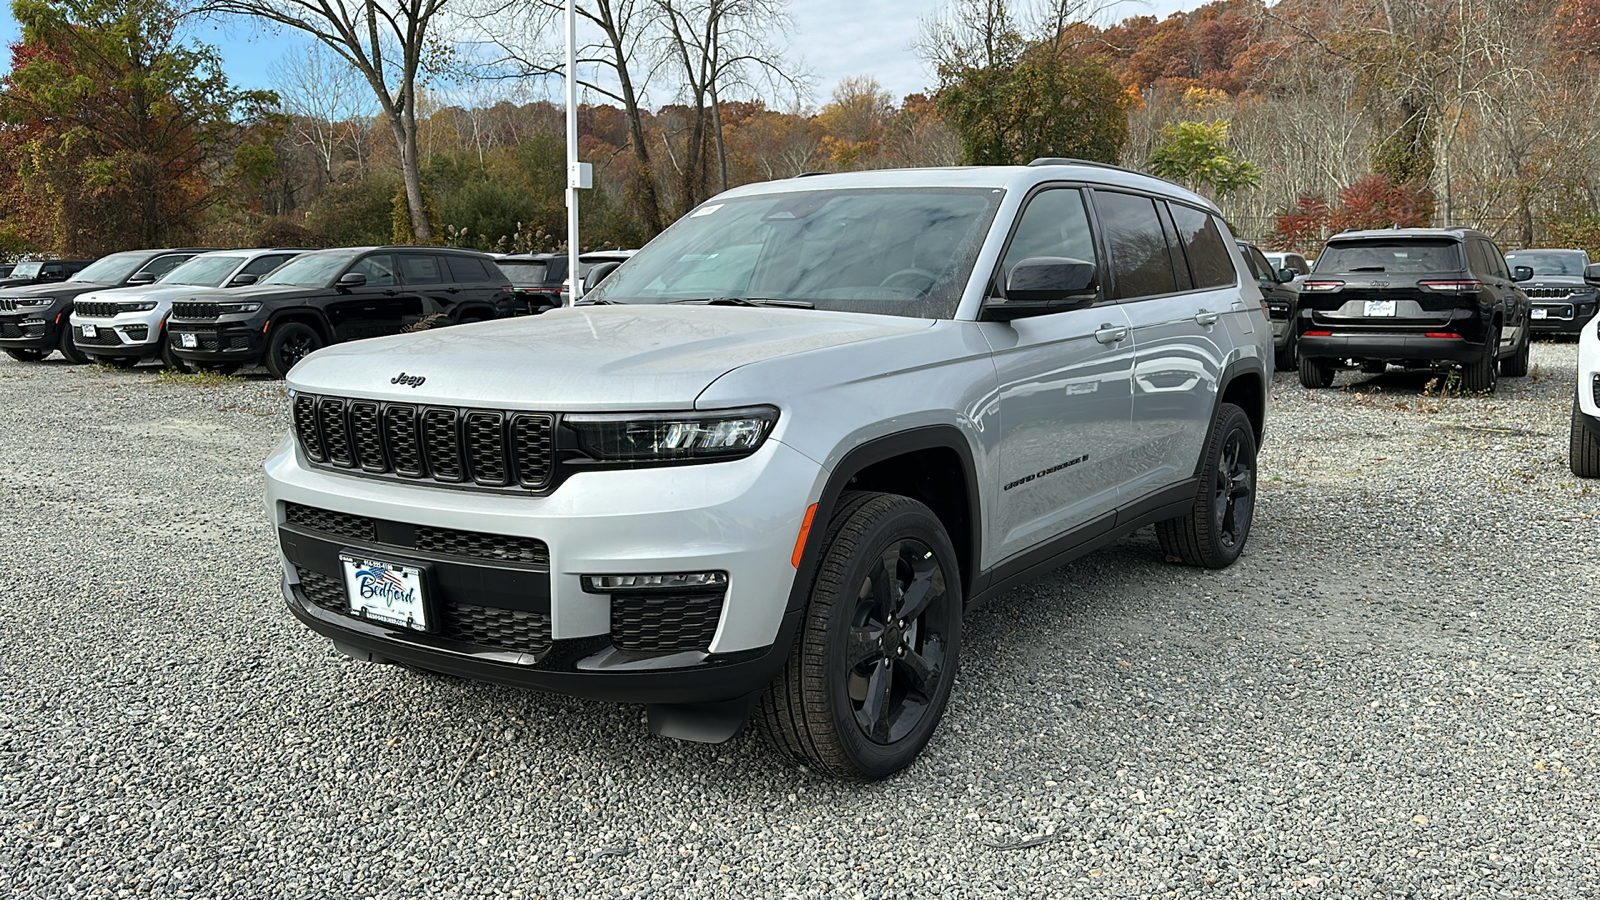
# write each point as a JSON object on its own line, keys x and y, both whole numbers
{"x": 307, "y": 314}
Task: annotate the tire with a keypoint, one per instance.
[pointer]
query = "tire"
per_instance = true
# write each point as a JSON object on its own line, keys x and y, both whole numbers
{"x": 1479, "y": 376}
{"x": 171, "y": 359}
{"x": 290, "y": 343}
{"x": 27, "y": 355}
{"x": 1286, "y": 354}
{"x": 1516, "y": 365}
{"x": 860, "y": 696}
{"x": 1214, "y": 531}
{"x": 69, "y": 350}
{"x": 1584, "y": 447}
{"x": 1316, "y": 373}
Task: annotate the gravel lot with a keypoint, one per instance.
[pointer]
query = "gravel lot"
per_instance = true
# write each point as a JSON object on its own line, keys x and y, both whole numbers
{"x": 1393, "y": 693}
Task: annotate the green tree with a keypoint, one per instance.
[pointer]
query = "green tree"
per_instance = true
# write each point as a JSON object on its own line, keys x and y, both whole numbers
{"x": 1042, "y": 105}
{"x": 119, "y": 123}
{"x": 1197, "y": 154}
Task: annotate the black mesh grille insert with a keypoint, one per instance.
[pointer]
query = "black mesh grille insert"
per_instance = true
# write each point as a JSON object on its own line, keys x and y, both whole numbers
{"x": 441, "y": 443}
{"x": 192, "y": 310}
{"x": 10, "y": 330}
{"x": 325, "y": 592}
{"x": 400, "y": 435}
{"x": 365, "y": 438}
{"x": 104, "y": 337}
{"x": 95, "y": 309}
{"x": 503, "y": 629}
{"x": 486, "y": 446}
{"x": 358, "y": 528}
{"x": 137, "y": 332}
{"x": 335, "y": 434}
{"x": 531, "y": 447}
{"x": 305, "y": 427}
{"x": 658, "y": 622}
{"x": 483, "y": 546}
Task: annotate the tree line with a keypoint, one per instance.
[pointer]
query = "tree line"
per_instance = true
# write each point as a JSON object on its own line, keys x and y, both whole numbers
{"x": 1299, "y": 119}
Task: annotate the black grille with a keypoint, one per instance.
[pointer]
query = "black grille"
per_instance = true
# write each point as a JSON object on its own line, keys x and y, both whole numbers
{"x": 8, "y": 304}
{"x": 345, "y": 525}
{"x": 103, "y": 337}
{"x": 488, "y": 448}
{"x": 484, "y": 626}
{"x": 1552, "y": 293}
{"x": 9, "y": 330}
{"x": 502, "y": 547}
{"x": 136, "y": 332}
{"x": 95, "y": 309}
{"x": 195, "y": 310}
{"x": 659, "y": 622}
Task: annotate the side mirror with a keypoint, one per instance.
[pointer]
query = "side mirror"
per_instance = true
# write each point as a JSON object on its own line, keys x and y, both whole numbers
{"x": 243, "y": 279}
{"x": 1591, "y": 273}
{"x": 1286, "y": 275}
{"x": 1044, "y": 284}
{"x": 140, "y": 278}
{"x": 597, "y": 274}
{"x": 352, "y": 279}
{"x": 1521, "y": 273}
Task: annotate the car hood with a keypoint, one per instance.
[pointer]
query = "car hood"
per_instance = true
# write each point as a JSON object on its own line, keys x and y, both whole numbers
{"x": 268, "y": 292}
{"x": 157, "y": 292}
{"x": 1565, "y": 281}
{"x": 55, "y": 289}
{"x": 592, "y": 358}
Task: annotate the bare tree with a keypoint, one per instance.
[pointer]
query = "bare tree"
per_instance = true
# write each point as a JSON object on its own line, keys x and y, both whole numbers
{"x": 387, "y": 42}
{"x": 327, "y": 102}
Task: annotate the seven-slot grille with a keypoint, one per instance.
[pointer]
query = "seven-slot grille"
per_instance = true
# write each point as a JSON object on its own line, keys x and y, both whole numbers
{"x": 1553, "y": 293}
{"x": 8, "y": 304}
{"x": 95, "y": 309}
{"x": 483, "y": 448}
{"x": 195, "y": 310}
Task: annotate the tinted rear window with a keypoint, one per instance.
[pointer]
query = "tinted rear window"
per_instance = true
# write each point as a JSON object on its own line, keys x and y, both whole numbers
{"x": 1138, "y": 246}
{"x": 1409, "y": 255}
{"x": 468, "y": 269}
{"x": 1209, "y": 260}
{"x": 524, "y": 273}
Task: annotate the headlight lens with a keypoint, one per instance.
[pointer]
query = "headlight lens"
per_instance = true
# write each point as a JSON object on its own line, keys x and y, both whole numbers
{"x": 34, "y": 302}
{"x": 238, "y": 307}
{"x": 725, "y": 434}
{"x": 146, "y": 306}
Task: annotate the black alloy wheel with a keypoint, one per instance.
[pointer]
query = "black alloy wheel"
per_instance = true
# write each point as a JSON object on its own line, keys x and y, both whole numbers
{"x": 872, "y": 666}
{"x": 290, "y": 343}
{"x": 26, "y": 355}
{"x": 1214, "y": 531}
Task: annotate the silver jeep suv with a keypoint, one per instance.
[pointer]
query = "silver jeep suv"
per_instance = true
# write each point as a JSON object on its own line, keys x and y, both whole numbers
{"x": 766, "y": 468}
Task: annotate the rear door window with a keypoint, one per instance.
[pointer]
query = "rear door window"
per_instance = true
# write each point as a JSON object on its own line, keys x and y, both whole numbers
{"x": 418, "y": 268}
{"x": 1140, "y": 260}
{"x": 468, "y": 269}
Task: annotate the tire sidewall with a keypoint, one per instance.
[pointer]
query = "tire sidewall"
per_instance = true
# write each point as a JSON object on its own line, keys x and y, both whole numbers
{"x": 281, "y": 336}
{"x": 1232, "y": 420}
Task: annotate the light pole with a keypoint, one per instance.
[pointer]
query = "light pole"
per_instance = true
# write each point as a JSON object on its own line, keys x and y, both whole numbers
{"x": 579, "y": 175}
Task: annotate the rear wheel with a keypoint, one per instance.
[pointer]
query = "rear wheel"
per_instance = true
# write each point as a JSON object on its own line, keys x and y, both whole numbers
{"x": 1315, "y": 373}
{"x": 1584, "y": 447}
{"x": 290, "y": 343}
{"x": 1479, "y": 376}
{"x": 27, "y": 355}
{"x": 1516, "y": 365}
{"x": 69, "y": 350}
{"x": 1213, "y": 533}
{"x": 871, "y": 667}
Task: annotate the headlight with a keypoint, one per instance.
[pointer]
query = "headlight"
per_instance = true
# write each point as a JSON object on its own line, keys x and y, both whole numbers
{"x": 136, "y": 307}
{"x": 725, "y": 434}
{"x": 238, "y": 307}
{"x": 34, "y": 302}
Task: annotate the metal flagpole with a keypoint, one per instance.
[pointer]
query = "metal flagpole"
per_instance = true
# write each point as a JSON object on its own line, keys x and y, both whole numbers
{"x": 572, "y": 155}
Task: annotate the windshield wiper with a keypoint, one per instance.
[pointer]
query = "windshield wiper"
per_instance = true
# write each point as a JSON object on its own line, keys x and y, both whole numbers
{"x": 751, "y": 301}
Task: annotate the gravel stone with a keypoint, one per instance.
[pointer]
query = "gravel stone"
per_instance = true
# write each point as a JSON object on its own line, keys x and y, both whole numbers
{"x": 1393, "y": 693}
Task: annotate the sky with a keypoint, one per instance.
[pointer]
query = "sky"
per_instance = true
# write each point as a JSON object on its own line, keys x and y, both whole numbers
{"x": 835, "y": 39}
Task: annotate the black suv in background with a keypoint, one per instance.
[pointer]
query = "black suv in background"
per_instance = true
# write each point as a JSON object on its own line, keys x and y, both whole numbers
{"x": 331, "y": 296}
{"x": 1562, "y": 302}
{"x": 33, "y": 320}
{"x": 40, "y": 271}
{"x": 536, "y": 279}
{"x": 1422, "y": 298}
{"x": 1282, "y": 297}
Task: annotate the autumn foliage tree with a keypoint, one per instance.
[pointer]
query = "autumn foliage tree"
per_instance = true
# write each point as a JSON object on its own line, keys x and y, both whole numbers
{"x": 114, "y": 125}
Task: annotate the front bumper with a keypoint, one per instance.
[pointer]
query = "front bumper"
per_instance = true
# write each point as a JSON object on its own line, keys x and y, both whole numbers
{"x": 117, "y": 336}
{"x": 529, "y": 622}
{"x": 1399, "y": 347}
{"x": 241, "y": 343}
{"x": 1562, "y": 316}
{"x": 29, "y": 331}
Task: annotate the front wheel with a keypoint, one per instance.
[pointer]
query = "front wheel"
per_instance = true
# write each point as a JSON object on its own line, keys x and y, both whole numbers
{"x": 1584, "y": 448}
{"x": 170, "y": 359}
{"x": 69, "y": 350}
{"x": 1213, "y": 532}
{"x": 871, "y": 668}
{"x": 290, "y": 343}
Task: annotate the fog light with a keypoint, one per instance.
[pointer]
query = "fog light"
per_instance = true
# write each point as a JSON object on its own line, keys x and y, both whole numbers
{"x": 671, "y": 581}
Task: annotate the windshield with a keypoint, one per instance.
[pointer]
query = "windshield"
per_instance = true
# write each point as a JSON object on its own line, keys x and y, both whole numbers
{"x": 204, "y": 271}
{"x": 903, "y": 252}
{"x": 1411, "y": 255}
{"x": 311, "y": 269}
{"x": 113, "y": 269}
{"x": 523, "y": 272}
{"x": 27, "y": 269}
{"x": 1548, "y": 262}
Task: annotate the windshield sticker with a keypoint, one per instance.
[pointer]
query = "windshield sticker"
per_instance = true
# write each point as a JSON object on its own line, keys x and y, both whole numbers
{"x": 705, "y": 210}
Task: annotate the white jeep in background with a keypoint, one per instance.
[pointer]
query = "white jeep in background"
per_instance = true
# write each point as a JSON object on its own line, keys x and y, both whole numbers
{"x": 767, "y": 467}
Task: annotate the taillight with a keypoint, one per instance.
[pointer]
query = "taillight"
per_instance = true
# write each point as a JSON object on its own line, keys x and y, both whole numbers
{"x": 1321, "y": 287}
{"x": 1443, "y": 334}
{"x": 1452, "y": 287}
{"x": 1316, "y": 334}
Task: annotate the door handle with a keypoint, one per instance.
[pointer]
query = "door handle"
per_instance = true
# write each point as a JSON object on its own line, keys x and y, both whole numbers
{"x": 1207, "y": 317}
{"x": 1111, "y": 334}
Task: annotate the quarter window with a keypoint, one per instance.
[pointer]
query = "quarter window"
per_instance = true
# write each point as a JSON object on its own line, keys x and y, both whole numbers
{"x": 1138, "y": 246}
{"x": 468, "y": 270}
{"x": 1207, "y": 250}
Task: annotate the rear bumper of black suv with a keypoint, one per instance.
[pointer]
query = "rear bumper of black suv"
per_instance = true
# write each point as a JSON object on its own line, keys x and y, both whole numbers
{"x": 1389, "y": 346}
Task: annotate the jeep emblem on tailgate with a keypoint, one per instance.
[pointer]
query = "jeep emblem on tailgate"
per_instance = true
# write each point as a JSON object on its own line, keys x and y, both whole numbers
{"x": 408, "y": 380}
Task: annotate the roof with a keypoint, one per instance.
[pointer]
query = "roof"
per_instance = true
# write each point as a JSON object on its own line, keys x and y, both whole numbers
{"x": 1454, "y": 232}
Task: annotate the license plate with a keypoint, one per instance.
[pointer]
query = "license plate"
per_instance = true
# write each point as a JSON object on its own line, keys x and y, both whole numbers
{"x": 89, "y": 331}
{"x": 1541, "y": 313}
{"x": 188, "y": 339}
{"x": 385, "y": 591}
{"x": 1380, "y": 308}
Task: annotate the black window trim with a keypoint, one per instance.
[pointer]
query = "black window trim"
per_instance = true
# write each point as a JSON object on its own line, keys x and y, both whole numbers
{"x": 1158, "y": 199}
{"x": 996, "y": 283}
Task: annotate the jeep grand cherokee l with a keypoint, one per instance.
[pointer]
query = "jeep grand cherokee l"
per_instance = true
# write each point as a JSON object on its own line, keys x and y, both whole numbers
{"x": 1439, "y": 298}
{"x": 33, "y": 320}
{"x": 785, "y": 448}
{"x": 1562, "y": 301}
{"x": 338, "y": 295}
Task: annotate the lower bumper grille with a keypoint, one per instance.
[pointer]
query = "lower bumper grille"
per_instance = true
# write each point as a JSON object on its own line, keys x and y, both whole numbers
{"x": 105, "y": 337}
{"x": 513, "y": 630}
{"x": 662, "y": 622}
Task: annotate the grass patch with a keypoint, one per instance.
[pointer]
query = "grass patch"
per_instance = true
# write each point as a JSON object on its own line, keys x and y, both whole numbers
{"x": 204, "y": 379}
